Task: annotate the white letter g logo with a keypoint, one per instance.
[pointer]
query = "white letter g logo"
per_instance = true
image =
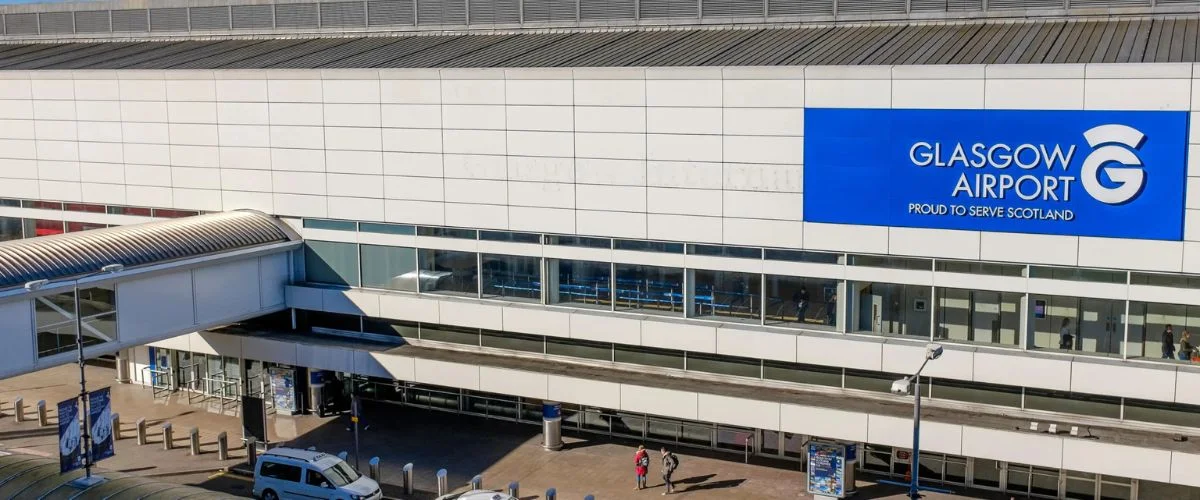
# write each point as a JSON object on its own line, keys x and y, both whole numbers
{"x": 1113, "y": 144}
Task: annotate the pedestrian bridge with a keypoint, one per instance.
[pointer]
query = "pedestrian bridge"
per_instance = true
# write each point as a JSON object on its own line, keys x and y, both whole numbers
{"x": 130, "y": 285}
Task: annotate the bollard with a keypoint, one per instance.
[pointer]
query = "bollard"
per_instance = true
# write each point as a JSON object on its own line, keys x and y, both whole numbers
{"x": 194, "y": 441}
{"x": 116, "y": 426}
{"x": 343, "y": 455}
{"x": 168, "y": 436}
{"x": 222, "y": 446}
{"x": 373, "y": 469}
{"x": 251, "y": 451}
{"x": 442, "y": 487}
{"x": 19, "y": 409}
{"x": 477, "y": 482}
{"x": 43, "y": 419}
{"x": 514, "y": 489}
{"x": 141, "y": 431}
{"x": 590, "y": 497}
{"x": 551, "y": 494}
{"x": 408, "y": 478}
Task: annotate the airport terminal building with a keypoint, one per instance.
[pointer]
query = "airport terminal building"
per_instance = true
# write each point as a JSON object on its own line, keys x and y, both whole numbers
{"x": 719, "y": 224}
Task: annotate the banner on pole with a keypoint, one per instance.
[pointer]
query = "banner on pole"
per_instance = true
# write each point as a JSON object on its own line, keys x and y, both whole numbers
{"x": 70, "y": 456}
{"x": 100, "y": 418}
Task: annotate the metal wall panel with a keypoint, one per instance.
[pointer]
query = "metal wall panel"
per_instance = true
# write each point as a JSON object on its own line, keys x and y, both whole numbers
{"x": 252, "y": 16}
{"x": 667, "y": 9}
{"x": 343, "y": 14}
{"x": 390, "y": 13}
{"x": 441, "y": 12}
{"x": 871, "y": 7}
{"x": 21, "y": 24}
{"x": 92, "y": 21}
{"x": 732, "y": 8}
{"x": 130, "y": 21}
{"x": 296, "y": 15}
{"x": 550, "y": 11}
{"x": 495, "y": 11}
{"x": 799, "y": 7}
{"x": 173, "y": 19}
{"x": 209, "y": 18}
{"x": 57, "y": 23}
{"x": 606, "y": 10}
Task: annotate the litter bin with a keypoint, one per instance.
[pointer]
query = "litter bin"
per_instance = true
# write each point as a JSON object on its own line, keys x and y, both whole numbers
{"x": 552, "y": 426}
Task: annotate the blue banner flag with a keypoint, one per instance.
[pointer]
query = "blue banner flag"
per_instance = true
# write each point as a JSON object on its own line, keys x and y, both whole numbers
{"x": 70, "y": 456}
{"x": 100, "y": 414}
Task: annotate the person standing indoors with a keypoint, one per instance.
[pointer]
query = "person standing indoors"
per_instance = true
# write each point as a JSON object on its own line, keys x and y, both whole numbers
{"x": 1185, "y": 346}
{"x": 641, "y": 466}
{"x": 669, "y": 463}
{"x": 1168, "y": 343}
{"x": 1065, "y": 340}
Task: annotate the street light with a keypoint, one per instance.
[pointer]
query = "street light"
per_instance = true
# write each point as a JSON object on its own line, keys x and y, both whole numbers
{"x": 85, "y": 429}
{"x": 902, "y": 386}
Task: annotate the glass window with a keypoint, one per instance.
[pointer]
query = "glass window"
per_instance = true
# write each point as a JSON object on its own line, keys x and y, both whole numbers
{"x": 42, "y": 227}
{"x": 1080, "y": 485}
{"x": 648, "y": 356}
{"x": 1069, "y": 402}
{"x": 512, "y": 277}
{"x": 332, "y": 225}
{"x": 724, "y": 251}
{"x": 329, "y": 321}
{"x": 807, "y": 302}
{"x": 802, "y": 256}
{"x": 891, "y": 262}
{"x": 649, "y": 289}
{"x": 314, "y": 478}
{"x": 1162, "y": 413}
{"x": 579, "y": 348}
{"x": 56, "y": 319}
{"x": 331, "y": 263}
{"x": 452, "y": 334}
{"x": 447, "y": 232}
{"x": 10, "y": 229}
{"x": 1154, "y": 489}
{"x": 341, "y": 474}
{"x": 510, "y": 236}
{"x": 1148, "y": 331}
{"x": 279, "y": 471}
{"x": 1079, "y": 325}
{"x": 1077, "y": 274}
{"x": 449, "y": 271}
{"x": 802, "y": 373}
{"x": 73, "y": 227}
{"x": 580, "y": 283}
{"x": 951, "y": 266}
{"x": 985, "y": 473}
{"x": 728, "y": 294}
{"x": 1167, "y": 280}
{"x": 391, "y": 268}
{"x": 174, "y": 214}
{"x": 391, "y": 327}
{"x": 8, "y": 202}
{"x": 977, "y": 392}
{"x": 890, "y": 309}
{"x": 578, "y": 241}
{"x": 978, "y": 317}
{"x": 42, "y": 205}
{"x": 513, "y": 341}
{"x": 377, "y": 227}
{"x": 84, "y": 207}
{"x": 648, "y": 246}
{"x": 876, "y": 381}
{"x": 724, "y": 365}
{"x": 138, "y": 211}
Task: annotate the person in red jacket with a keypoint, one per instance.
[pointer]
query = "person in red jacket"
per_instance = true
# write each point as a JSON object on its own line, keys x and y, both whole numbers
{"x": 641, "y": 465}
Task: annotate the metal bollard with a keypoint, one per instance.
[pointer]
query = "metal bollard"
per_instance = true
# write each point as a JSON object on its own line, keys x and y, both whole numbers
{"x": 194, "y": 441}
{"x": 222, "y": 446}
{"x": 116, "y": 426}
{"x": 373, "y": 469}
{"x": 408, "y": 478}
{"x": 343, "y": 455}
{"x": 251, "y": 451}
{"x": 590, "y": 497}
{"x": 43, "y": 418}
{"x": 141, "y": 431}
{"x": 477, "y": 482}
{"x": 514, "y": 489}
{"x": 168, "y": 436}
{"x": 442, "y": 487}
{"x": 551, "y": 494}
{"x": 19, "y": 409}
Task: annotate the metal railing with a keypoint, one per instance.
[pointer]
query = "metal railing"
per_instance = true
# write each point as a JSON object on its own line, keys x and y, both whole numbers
{"x": 175, "y": 18}
{"x": 159, "y": 381}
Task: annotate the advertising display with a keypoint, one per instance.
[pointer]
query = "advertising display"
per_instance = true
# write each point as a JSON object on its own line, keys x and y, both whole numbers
{"x": 70, "y": 441}
{"x": 283, "y": 389}
{"x": 1118, "y": 174}
{"x": 826, "y": 469}
{"x": 100, "y": 418}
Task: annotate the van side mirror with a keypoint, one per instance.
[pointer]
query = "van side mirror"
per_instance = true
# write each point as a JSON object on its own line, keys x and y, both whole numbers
{"x": 325, "y": 485}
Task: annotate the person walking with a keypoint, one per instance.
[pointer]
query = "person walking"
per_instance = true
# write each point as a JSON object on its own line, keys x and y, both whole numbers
{"x": 1168, "y": 343}
{"x": 641, "y": 466}
{"x": 1185, "y": 346}
{"x": 669, "y": 463}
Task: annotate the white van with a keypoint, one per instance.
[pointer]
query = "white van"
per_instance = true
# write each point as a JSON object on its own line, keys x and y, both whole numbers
{"x": 289, "y": 473}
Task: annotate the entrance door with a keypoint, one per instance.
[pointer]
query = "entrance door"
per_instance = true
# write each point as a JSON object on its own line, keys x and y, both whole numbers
{"x": 1101, "y": 329}
{"x": 161, "y": 372}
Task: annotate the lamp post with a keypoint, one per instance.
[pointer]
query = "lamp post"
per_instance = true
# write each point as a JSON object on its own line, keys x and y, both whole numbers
{"x": 932, "y": 352}
{"x": 84, "y": 428}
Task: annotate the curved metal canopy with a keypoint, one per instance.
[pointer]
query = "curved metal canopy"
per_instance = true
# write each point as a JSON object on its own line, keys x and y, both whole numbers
{"x": 76, "y": 254}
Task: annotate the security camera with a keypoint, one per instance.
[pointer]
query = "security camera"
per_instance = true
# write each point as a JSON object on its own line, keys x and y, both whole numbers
{"x": 901, "y": 386}
{"x": 933, "y": 351}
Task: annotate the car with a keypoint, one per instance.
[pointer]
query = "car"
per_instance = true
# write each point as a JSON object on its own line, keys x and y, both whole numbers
{"x": 478, "y": 495}
{"x": 290, "y": 473}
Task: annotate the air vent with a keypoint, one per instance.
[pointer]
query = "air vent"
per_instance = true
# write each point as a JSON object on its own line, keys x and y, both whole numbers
{"x": 57, "y": 23}
{"x": 442, "y": 12}
{"x": 252, "y": 17}
{"x": 21, "y": 24}
{"x": 670, "y": 9}
{"x": 173, "y": 19}
{"x": 732, "y": 8}
{"x": 495, "y": 11}
{"x": 92, "y": 21}
{"x": 130, "y": 21}
{"x": 343, "y": 15}
{"x": 296, "y": 15}
{"x": 390, "y": 13}
{"x": 209, "y": 18}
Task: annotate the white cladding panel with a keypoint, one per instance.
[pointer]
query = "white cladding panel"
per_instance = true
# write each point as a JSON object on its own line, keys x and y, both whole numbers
{"x": 16, "y": 328}
{"x": 154, "y": 306}
{"x": 227, "y": 290}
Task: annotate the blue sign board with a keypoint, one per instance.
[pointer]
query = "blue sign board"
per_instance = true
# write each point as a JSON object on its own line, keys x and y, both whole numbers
{"x": 70, "y": 442}
{"x": 1117, "y": 174}
{"x": 826, "y": 469}
{"x": 100, "y": 415}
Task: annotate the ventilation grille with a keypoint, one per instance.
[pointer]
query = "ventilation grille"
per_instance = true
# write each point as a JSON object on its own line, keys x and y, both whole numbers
{"x": 549, "y": 11}
{"x": 251, "y": 17}
{"x": 173, "y": 19}
{"x": 495, "y": 11}
{"x": 440, "y": 12}
{"x": 1109, "y": 3}
{"x": 21, "y": 24}
{"x": 92, "y": 21}
{"x": 799, "y": 7}
{"x": 1024, "y": 4}
{"x": 210, "y": 18}
{"x": 871, "y": 7}
{"x": 605, "y": 10}
{"x": 732, "y": 8}
{"x": 130, "y": 21}
{"x": 343, "y": 14}
{"x": 296, "y": 15}
{"x": 665, "y": 9}
{"x": 390, "y": 13}
{"x": 57, "y": 23}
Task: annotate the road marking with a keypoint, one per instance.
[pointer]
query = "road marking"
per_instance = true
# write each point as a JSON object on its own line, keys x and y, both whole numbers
{"x": 218, "y": 474}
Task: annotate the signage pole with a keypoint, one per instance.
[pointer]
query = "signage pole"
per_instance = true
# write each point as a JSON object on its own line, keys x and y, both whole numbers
{"x": 914, "y": 466}
{"x": 354, "y": 411}
{"x": 85, "y": 443}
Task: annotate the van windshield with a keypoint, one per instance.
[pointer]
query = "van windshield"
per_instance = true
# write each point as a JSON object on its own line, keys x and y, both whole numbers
{"x": 341, "y": 474}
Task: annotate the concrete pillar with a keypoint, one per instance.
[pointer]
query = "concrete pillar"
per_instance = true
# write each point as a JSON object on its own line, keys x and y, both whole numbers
{"x": 168, "y": 435}
{"x": 19, "y": 410}
{"x": 442, "y": 487}
{"x": 222, "y": 446}
{"x": 373, "y": 469}
{"x": 141, "y": 431}
{"x": 43, "y": 418}
{"x": 194, "y": 441}
{"x": 408, "y": 478}
{"x": 116, "y": 426}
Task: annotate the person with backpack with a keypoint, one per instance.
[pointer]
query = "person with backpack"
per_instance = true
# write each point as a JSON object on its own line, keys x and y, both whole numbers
{"x": 641, "y": 466}
{"x": 669, "y": 463}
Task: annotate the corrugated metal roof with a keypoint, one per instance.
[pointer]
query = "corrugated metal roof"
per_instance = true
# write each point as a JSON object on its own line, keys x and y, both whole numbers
{"x": 27, "y": 476}
{"x": 75, "y": 254}
{"x": 1030, "y": 42}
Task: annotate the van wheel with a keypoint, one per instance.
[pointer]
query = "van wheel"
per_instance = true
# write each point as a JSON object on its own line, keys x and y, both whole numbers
{"x": 269, "y": 495}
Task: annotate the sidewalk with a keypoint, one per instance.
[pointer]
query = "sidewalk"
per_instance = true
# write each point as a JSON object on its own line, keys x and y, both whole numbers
{"x": 464, "y": 445}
